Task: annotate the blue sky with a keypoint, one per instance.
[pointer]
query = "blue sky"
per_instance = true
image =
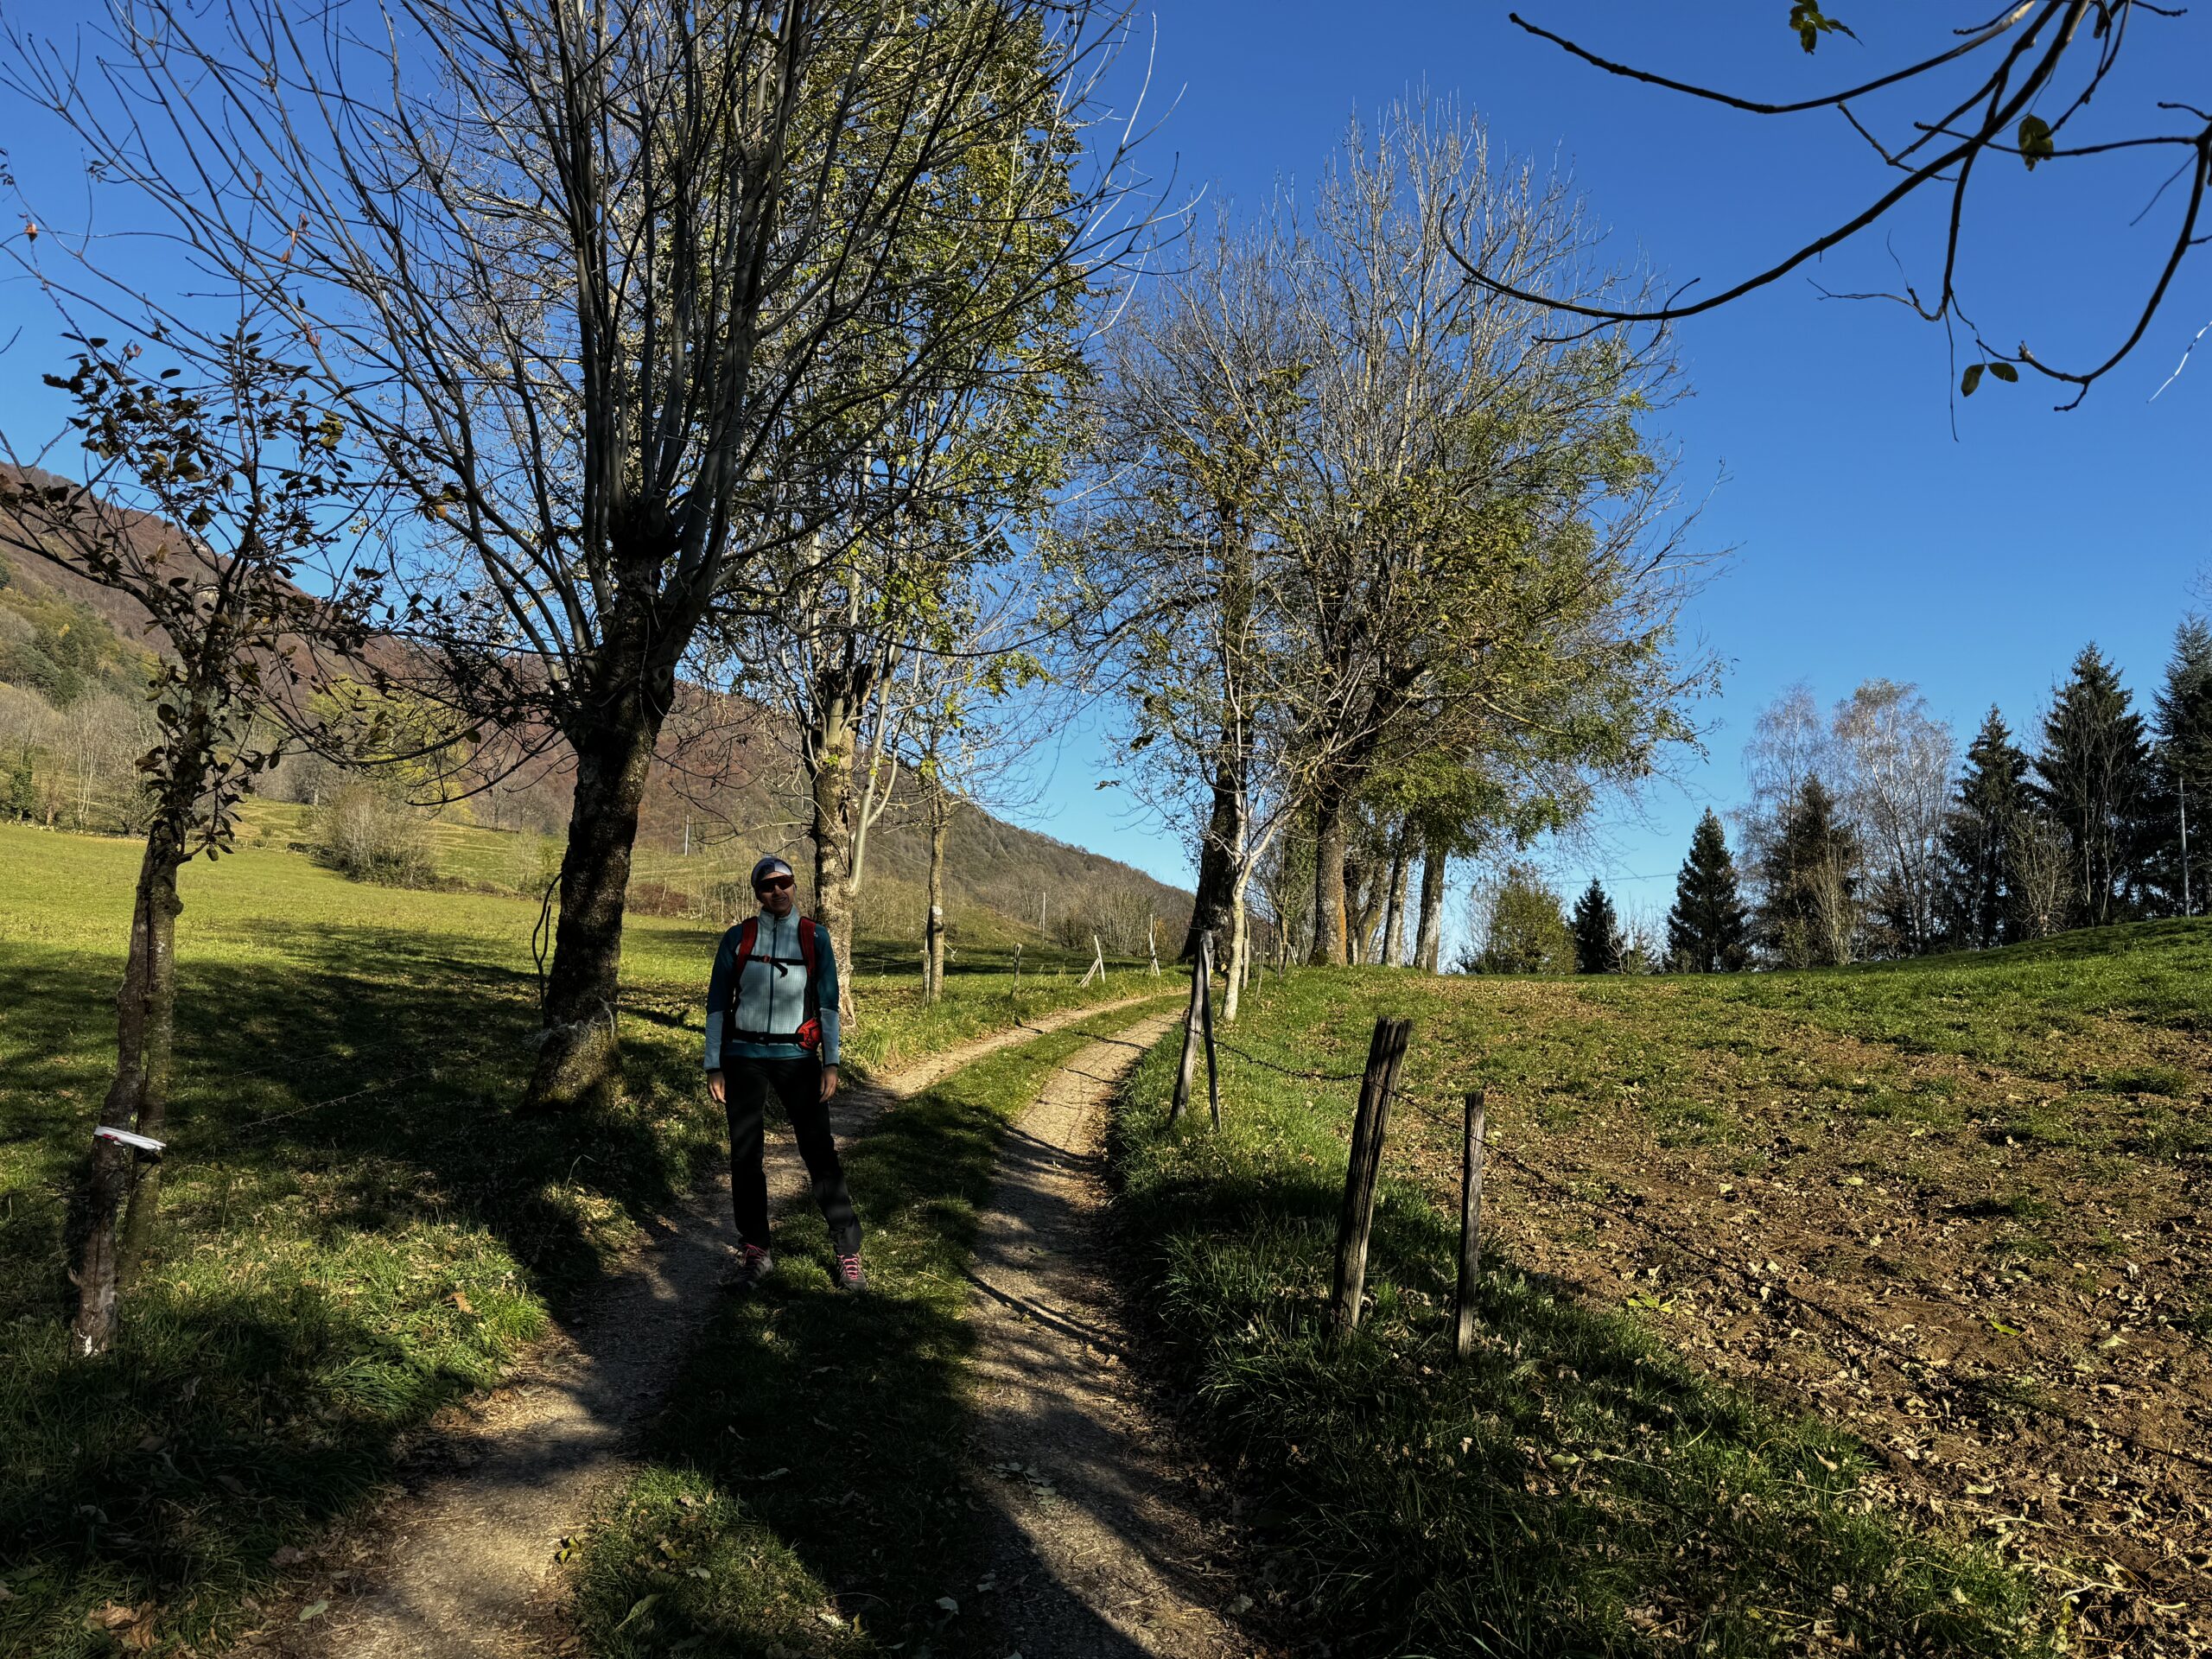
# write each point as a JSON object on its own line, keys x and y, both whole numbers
{"x": 1867, "y": 539}
{"x": 1867, "y": 542}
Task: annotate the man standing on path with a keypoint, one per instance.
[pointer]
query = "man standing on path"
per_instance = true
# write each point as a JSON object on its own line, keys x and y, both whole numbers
{"x": 771, "y": 1023}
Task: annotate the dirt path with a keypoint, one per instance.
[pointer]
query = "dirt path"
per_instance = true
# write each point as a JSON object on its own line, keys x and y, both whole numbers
{"x": 459, "y": 1565}
{"x": 1104, "y": 1549}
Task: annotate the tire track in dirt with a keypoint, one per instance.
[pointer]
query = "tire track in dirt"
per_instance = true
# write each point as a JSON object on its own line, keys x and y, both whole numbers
{"x": 1103, "y": 1546}
{"x": 460, "y": 1563}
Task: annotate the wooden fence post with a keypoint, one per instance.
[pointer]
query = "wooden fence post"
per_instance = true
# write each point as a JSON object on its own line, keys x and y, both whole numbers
{"x": 1205, "y": 1014}
{"x": 1386, "y": 1052}
{"x": 1470, "y": 1222}
{"x": 1190, "y": 1039}
{"x": 1017, "y": 964}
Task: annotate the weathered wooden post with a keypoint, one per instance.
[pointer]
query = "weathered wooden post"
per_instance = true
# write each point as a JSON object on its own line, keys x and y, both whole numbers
{"x": 1205, "y": 1013}
{"x": 1190, "y": 1039}
{"x": 1386, "y": 1052}
{"x": 1470, "y": 1222}
{"x": 1017, "y": 964}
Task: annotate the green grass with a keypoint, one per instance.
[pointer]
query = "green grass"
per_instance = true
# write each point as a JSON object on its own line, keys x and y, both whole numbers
{"x": 808, "y": 1493}
{"x": 1578, "y": 1487}
{"x": 2026, "y": 1007}
{"x": 356, "y": 1230}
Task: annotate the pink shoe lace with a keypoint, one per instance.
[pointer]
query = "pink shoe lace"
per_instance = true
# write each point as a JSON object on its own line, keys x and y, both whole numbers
{"x": 849, "y": 1272}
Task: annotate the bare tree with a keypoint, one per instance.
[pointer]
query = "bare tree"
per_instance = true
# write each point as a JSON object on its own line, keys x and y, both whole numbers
{"x": 967, "y": 738}
{"x": 203, "y": 505}
{"x": 2016, "y": 89}
{"x": 2040, "y": 861}
{"x": 579, "y": 277}
{"x": 1897, "y": 783}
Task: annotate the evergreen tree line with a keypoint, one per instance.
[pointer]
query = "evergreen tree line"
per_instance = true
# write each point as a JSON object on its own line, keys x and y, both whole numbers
{"x": 1850, "y": 855}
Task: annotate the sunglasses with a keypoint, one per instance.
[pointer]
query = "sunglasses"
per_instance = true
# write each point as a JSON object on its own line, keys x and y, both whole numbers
{"x": 775, "y": 884}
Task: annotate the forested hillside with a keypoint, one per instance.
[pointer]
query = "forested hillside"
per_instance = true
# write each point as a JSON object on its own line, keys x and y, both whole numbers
{"x": 73, "y": 718}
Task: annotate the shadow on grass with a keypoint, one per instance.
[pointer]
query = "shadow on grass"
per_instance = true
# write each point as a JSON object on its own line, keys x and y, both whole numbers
{"x": 1575, "y": 1488}
{"x": 356, "y": 1228}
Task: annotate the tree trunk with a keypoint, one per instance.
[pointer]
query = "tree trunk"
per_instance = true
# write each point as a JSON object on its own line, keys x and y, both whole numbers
{"x": 1332, "y": 933}
{"x": 831, "y": 781}
{"x": 1364, "y": 890}
{"x": 933, "y": 936}
{"x": 1217, "y": 863}
{"x": 1394, "y": 928}
{"x": 137, "y": 1099}
{"x": 579, "y": 1063}
{"x": 1240, "y": 947}
{"x": 1428, "y": 946}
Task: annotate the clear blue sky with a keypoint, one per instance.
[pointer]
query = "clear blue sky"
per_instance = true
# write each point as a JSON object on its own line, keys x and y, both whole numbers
{"x": 1867, "y": 540}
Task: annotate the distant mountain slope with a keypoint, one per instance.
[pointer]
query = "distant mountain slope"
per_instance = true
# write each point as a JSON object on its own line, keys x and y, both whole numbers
{"x": 725, "y": 789}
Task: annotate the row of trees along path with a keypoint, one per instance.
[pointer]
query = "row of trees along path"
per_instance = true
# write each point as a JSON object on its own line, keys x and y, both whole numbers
{"x": 601, "y": 343}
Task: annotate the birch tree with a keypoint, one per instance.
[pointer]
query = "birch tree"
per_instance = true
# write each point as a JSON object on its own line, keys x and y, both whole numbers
{"x": 1898, "y": 762}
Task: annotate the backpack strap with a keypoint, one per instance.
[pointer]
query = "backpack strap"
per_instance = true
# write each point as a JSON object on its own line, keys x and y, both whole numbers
{"x": 810, "y": 950}
{"x": 748, "y": 931}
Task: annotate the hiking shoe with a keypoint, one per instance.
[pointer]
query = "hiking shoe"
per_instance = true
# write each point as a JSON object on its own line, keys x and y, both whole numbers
{"x": 754, "y": 1265}
{"x": 848, "y": 1273}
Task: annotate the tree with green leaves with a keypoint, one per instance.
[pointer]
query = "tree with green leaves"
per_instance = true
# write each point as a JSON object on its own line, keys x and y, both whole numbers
{"x": 206, "y": 502}
{"x": 2092, "y": 777}
{"x": 1525, "y": 930}
{"x": 2174, "y": 819}
{"x": 1810, "y": 911}
{"x": 1193, "y": 414}
{"x": 1598, "y": 941}
{"x": 1978, "y": 907}
{"x": 1708, "y": 930}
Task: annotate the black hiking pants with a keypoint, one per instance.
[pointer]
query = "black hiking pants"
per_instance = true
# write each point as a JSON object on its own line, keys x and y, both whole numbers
{"x": 797, "y": 1084}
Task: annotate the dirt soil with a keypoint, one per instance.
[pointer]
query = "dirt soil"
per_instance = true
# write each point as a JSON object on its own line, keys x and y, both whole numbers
{"x": 461, "y": 1562}
{"x": 1993, "y": 1279}
{"x": 1107, "y": 1543}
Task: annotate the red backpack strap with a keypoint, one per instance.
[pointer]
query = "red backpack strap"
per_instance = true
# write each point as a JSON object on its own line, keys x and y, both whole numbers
{"x": 747, "y": 932}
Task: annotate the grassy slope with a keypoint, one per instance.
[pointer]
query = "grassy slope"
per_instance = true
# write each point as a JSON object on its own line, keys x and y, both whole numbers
{"x": 1648, "y": 1456}
{"x": 357, "y": 1229}
{"x": 807, "y": 1494}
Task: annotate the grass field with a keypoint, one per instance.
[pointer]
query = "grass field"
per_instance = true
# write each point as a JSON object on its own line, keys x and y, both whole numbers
{"x": 357, "y": 1229}
{"x": 1855, "y": 1310}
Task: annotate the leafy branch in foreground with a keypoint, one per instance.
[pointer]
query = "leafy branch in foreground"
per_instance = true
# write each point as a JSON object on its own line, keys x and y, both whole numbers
{"x": 205, "y": 505}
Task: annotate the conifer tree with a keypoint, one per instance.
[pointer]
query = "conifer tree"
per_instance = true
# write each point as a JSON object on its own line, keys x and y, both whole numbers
{"x": 1597, "y": 933}
{"x": 1810, "y": 915}
{"x": 2094, "y": 777}
{"x": 1708, "y": 930}
{"x": 1977, "y": 903}
{"x": 2181, "y": 772}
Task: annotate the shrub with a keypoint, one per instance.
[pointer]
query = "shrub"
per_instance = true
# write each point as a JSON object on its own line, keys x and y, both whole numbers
{"x": 369, "y": 835}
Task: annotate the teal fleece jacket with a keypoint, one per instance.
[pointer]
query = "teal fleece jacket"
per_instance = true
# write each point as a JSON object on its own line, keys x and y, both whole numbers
{"x": 772, "y": 998}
